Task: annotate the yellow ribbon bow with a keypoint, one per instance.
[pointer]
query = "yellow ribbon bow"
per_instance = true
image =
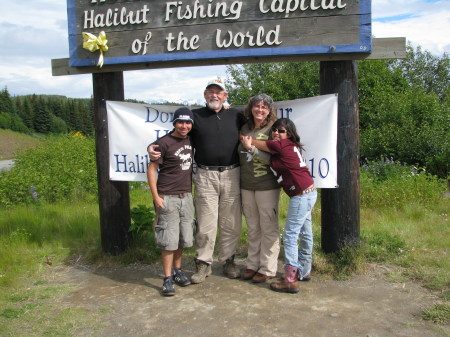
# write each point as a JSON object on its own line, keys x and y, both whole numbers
{"x": 93, "y": 43}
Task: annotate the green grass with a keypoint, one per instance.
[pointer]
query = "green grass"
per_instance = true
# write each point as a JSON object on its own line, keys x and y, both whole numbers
{"x": 439, "y": 313}
{"x": 404, "y": 226}
{"x": 33, "y": 241}
{"x": 35, "y": 310}
{"x": 46, "y": 234}
{"x": 411, "y": 240}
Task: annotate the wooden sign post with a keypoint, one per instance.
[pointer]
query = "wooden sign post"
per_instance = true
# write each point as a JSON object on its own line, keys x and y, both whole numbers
{"x": 113, "y": 196}
{"x": 107, "y": 37}
{"x": 340, "y": 206}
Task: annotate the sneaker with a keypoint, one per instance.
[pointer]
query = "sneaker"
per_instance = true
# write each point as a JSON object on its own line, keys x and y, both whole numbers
{"x": 203, "y": 271}
{"x": 180, "y": 277}
{"x": 285, "y": 287}
{"x": 168, "y": 288}
{"x": 229, "y": 268}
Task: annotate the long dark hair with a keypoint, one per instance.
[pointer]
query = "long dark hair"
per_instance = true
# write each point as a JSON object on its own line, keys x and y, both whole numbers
{"x": 267, "y": 100}
{"x": 290, "y": 129}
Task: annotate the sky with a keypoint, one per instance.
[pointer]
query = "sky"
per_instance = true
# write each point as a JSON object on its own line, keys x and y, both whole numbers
{"x": 33, "y": 32}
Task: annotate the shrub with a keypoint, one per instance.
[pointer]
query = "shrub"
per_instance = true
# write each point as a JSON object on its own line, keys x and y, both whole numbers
{"x": 62, "y": 168}
{"x": 13, "y": 122}
{"x": 390, "y": 183}
{"x": 141, "y": 219}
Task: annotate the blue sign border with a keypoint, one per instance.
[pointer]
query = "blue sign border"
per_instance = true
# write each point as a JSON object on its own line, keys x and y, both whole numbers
{"x": 365, "y": 46}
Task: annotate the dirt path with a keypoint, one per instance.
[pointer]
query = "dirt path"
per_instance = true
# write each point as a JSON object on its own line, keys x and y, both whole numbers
{"x": 130, "y": 299}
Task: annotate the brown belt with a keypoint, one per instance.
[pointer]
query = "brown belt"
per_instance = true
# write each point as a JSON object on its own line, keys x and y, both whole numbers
{"x": 308, "y": 190}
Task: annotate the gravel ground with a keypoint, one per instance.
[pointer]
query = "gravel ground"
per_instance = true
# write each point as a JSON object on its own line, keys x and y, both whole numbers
{"x": 366, "y": 305}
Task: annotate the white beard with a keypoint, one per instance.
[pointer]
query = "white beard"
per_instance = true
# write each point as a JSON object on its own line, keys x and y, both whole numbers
{"x": 214, "y": 105}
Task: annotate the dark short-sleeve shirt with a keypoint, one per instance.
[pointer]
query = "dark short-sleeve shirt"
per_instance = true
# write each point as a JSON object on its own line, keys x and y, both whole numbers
{"x": 175, "y": 165}
{"x": 289, "y": 166}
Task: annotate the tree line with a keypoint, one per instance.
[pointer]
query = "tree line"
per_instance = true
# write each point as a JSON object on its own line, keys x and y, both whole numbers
{"x": 403, "y": 104}
{"x": 46, "y": 114}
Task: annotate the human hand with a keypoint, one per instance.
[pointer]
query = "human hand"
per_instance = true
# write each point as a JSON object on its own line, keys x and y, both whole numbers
{"x": 154, "y": 155}
{"x": 246, "y": 142}
{"x": 158, "y": 201}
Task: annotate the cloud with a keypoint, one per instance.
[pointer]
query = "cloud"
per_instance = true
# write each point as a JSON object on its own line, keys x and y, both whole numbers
{"x": 35, "y": 31}
{"x": 25, "y": 77}
{"x": 423, "y": 23}
{"x": 23, "y": 40}
{"x": 171, "y": 84}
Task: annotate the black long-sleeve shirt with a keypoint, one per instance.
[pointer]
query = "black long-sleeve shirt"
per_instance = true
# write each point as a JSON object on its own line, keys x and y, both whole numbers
{"x": 215, "y": 136}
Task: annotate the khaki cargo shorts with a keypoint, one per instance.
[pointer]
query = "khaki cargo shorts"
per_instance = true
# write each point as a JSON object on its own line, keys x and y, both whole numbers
{"x": 175, "y": 222}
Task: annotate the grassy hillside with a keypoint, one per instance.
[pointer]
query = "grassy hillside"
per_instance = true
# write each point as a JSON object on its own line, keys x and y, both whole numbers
{"x": 11, "y": 142}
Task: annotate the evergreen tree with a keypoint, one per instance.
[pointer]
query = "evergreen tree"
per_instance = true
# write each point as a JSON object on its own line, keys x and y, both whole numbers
{"x": 56, "y": 107}
{"x": 42, "y": 117}
{"x": 72, "y": 121}
{"x": 87, "y": 118}
{"x": 18, "y": 106}
{"x": 6, "y": 103}
{"x": 28, "y": 114}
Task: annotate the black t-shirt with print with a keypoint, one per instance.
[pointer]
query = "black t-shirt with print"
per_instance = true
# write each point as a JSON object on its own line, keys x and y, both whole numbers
{"x": 175, "y": 165}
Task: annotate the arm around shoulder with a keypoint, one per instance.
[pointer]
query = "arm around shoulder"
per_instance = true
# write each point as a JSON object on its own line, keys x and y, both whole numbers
{"x": 263, "y": 156}
{"x": 261, "y": 145}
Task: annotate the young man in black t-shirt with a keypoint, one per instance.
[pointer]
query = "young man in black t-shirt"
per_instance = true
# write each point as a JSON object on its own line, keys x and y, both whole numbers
{"x": 171, "y": 190}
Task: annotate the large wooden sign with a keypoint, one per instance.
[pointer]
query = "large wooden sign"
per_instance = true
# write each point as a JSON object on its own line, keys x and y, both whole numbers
{"x": 136, "y": 31}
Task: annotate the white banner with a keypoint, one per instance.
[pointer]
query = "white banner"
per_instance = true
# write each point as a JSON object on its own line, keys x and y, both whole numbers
{"x": 132, "y": 127}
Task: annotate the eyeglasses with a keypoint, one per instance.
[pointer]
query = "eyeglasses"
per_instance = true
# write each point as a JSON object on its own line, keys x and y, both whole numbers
{"x": 214, "y": 92}
{"x": 279, "y": 130}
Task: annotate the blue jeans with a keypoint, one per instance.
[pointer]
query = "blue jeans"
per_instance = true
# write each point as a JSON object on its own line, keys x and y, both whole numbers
{"x": 299, "y": 224}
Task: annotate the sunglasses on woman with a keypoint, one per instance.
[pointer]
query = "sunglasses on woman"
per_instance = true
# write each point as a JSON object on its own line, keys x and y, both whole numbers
{"x": 279, "y": 130}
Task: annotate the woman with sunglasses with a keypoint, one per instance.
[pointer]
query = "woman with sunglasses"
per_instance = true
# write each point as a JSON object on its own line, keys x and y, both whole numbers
{"x": 289, "y": 166}
{"x": 260, "y": 193}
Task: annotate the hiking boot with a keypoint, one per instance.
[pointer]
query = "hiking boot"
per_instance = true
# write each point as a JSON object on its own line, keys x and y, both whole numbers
{"x": 180, "y": 277}
{"x": 248, "y": 274}
{"x": 168, "y": 288}
{"x": 229, "y": 268}
{"x": 203, "y": 271}
{"x": 300, "y": 277}
{"x": 261, "y": 278}
{"x": 290, "y": 282}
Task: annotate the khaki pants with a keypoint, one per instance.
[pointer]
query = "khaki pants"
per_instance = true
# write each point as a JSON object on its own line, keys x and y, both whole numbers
{"x": 217, "y": 205}
{"x": 261, "y": 214}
